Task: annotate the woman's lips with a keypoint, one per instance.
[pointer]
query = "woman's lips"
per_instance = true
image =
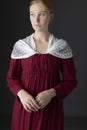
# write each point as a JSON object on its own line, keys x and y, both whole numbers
{"x": 37, "y": 25}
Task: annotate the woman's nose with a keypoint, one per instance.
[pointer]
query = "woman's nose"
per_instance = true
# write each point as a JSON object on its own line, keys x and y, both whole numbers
{"x": 37, "y": 18}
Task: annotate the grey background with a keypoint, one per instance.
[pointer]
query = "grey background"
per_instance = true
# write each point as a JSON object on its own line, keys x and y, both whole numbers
{"x": 70, "y": 23}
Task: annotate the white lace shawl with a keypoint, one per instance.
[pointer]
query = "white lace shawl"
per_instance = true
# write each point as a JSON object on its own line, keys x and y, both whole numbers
{"x": 26, "y": 47}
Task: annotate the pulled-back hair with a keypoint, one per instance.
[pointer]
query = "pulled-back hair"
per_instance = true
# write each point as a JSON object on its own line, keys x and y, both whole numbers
{"x": 47, "y": 3}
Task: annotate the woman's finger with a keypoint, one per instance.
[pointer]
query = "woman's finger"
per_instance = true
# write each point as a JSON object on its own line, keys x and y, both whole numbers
{"x": 34, "y": 104}
{"x": 30, "y": 107}
{"x": 27, "y": 109}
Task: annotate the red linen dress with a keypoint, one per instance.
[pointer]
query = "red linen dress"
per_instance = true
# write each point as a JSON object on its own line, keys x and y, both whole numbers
{"x": 37, "y": 73}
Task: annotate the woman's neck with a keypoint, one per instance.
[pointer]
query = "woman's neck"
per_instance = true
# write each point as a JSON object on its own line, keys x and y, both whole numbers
{"x": 42, "y": 36}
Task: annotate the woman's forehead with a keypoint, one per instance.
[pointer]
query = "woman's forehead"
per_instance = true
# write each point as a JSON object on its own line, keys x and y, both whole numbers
{"x": 38, "y": 7}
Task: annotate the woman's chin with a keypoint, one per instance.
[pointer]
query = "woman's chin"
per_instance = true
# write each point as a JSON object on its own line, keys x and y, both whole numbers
{"x": 38, "y": 30}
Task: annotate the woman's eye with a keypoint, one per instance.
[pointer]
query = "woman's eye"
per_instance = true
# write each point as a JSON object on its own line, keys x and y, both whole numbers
{"x": 32, "y": 15}
{"x": 42, "y": 14}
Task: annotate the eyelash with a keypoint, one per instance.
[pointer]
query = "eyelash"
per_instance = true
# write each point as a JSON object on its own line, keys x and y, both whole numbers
{"x": 32, "y": 14}
{"x": 41, "y": 14}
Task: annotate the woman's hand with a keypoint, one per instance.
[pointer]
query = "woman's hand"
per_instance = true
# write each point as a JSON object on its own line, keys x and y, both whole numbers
{"x": 44, "y": 97}
{"x": 29, "y": 103}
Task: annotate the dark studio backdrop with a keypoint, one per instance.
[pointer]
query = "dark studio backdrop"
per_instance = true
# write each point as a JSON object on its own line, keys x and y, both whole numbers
{"x": 70, "y": 23}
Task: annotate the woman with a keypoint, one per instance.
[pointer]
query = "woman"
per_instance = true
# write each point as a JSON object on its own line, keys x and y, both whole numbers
{"x": 34, "y": 74}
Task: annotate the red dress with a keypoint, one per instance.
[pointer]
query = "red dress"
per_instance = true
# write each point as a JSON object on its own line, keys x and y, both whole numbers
{"x": 35, "y": 74}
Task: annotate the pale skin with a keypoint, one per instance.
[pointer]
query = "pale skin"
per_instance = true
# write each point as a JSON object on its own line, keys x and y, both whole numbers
{"x": 39, "y": 17}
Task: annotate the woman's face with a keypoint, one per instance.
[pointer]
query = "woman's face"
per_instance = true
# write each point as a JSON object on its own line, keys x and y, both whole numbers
{"x": 39, "y": 16}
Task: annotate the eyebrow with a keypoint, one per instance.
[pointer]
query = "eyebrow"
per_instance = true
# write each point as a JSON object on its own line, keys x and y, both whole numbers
{"x": 39, "y": 12}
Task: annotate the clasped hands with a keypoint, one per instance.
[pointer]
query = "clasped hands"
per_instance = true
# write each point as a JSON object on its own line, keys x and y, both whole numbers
{"x": 39, "y": 102}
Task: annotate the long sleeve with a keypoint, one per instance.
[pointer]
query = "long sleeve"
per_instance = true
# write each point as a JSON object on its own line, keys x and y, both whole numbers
{"x": 13, "y": 76}
{"x": 69, "y": 81}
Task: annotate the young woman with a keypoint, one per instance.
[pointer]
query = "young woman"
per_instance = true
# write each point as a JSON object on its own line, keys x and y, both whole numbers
{"x": 34, "y": 74}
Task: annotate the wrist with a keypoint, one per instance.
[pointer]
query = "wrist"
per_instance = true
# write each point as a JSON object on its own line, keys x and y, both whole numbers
{"x": 52, "y": 92}
{"x": 20, "y": 92}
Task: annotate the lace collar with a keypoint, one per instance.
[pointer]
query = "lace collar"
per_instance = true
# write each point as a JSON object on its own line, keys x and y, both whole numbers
{"x": 26, "y": 47}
